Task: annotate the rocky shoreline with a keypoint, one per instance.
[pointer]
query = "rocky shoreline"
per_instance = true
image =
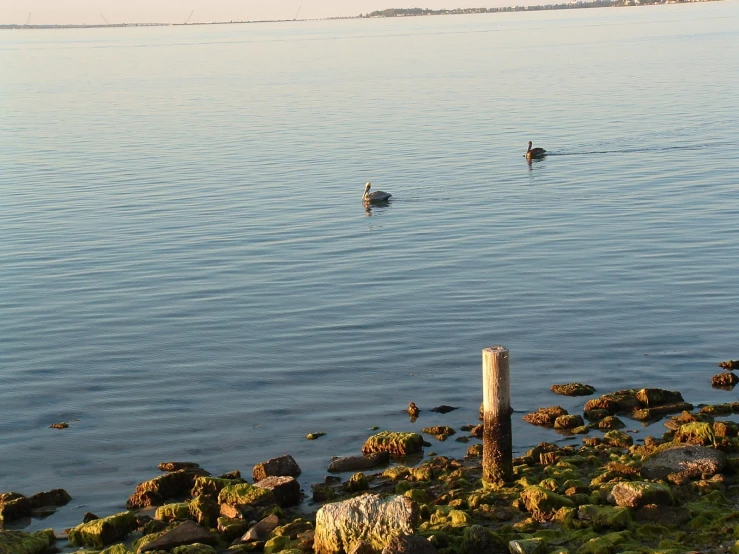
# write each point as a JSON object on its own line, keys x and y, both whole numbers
{"x": 675, "y": 493}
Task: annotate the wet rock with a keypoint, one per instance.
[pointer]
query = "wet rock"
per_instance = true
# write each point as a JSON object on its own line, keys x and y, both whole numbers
{"x": 545, "y": 417}
{"x": 397, "y": 444}
{"x": 368, "y": 518}
{"x": 359, "y": 463}
{"x": 729, "y": 364}
{"x": 725, "y": 428}
{"x": 314, "y": 436}
{"x": 648, "y": 398}
{"x": 569, "y": 421}
{"x": 173, "y": 511}
{"x": 698, "y": 461}
{"x": 413, "y": 410}
{"x": 615, "y": 402}
{"x": 618, "y": 439}
{"x": 440, "y": 432}
{"x": 176, "y": 484}
{"x": 635, "y": 494}
{"x": 596, "y": 414}
{"x": 276, "y": 467}
{"x": 611, "y": 422}
{"x": 177, "y": 466}
{"x": 103, "y": 531}
{"x": 60, "y": 425}
{"x": 285, "y": 489}
{"x": 14, "y": 506}
{"x": 88, "y": 517}
{"x": 188, "y": 532}
{"x": 235, "y": 474}
{"x": 656, "y": 412}
{"x": 260, "y": 531}
{"x": 724, "y": 380}
{"x": 14, "y": 542}
{"x": 144, "y": 499}
{"x": 409, "y": 544}
{"x": 204, "y": 510}
{"x": 55, "y": 497}
{"x": 573, "y": 389}
{"x": 443, "y": 409}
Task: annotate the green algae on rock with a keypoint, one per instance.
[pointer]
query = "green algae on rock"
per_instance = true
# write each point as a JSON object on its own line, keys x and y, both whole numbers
{"x": 545, "y": 417}
{"x": 20, "y": 542}
{"x": 101, "y": 532}
{"x": 396, "y": 443}
{"x": 246, "y": 494}
{"x": 542, "y": 503}
{"x": 573, "y": 389}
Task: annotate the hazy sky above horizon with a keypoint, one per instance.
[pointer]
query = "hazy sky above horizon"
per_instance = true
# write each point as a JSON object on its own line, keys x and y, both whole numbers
{"x": 177, "y": 11}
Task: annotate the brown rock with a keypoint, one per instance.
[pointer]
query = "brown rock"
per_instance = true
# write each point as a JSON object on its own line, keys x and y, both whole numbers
{"x": 409, "y": 544}
{"x": 176, "y": 466}
{"x": 280, "y": 466}
{"x": 17, "y": 507}
{"x": 144, "y": 499}
{"x": 286, "y": 489}
{"x": 359, "y": 463}
{"x": 187, "y": 532}
{"x": 55, "y": 497}
{"x": 260, "y": 531}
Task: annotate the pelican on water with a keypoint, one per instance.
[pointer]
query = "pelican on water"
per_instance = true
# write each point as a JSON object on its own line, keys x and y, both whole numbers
{"x": 376, "y": 196}
{"x": 533, "y": 153}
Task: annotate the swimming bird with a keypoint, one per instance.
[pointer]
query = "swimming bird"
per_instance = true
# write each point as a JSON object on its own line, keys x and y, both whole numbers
{"x": 376, "y": 196}
{"x": 533, "y": 153}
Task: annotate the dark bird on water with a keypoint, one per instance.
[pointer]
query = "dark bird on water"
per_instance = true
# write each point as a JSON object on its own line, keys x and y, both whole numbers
{"x": 533, "y": 153}
{"x": 376, "y": 196}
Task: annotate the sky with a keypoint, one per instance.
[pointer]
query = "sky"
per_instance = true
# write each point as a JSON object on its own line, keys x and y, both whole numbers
{"x": 61, "y": 12}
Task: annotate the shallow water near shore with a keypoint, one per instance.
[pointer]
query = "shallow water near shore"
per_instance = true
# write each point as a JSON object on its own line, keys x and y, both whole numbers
{"x": 189, "y": 273}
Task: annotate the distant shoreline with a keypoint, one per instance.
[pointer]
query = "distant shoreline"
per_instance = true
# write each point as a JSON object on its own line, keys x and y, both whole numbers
{"x": 392, "y": 12}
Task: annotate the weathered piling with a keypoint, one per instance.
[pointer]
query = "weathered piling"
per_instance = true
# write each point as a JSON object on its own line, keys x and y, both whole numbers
{"x": 497, "y": 446}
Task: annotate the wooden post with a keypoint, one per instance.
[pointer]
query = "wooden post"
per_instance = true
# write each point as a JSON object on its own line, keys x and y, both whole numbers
{"x": 497, "y": 440}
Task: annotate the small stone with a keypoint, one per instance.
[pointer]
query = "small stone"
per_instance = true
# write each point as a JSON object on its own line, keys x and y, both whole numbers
{"x": 729, "y": 364}
{"x": 314, "y": 436}
{"x": 443, "y": 409}
{"x": 573, "y": 389}
{"x": 176, "y": 466}
{"x": 724, "y": 380}
{"x": 60, "y": 425}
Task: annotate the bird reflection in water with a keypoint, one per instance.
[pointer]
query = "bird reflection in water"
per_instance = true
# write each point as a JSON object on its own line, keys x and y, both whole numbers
{"x": 369, "y": 206}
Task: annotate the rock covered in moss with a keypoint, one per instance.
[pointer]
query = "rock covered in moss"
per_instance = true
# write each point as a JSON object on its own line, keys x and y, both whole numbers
{"x": 211, "y": 486}
{"x": 611, "y": 422}
{"x": 528, "y": 546}
{"x": 605, "y": 517}
{"x": 176, "y": 484}
{"x": 605, "y": 544}
{"x": 195, "y": 548}
{"x": 542, "y": 503}
{"x": 368, "y": 518}
{"x": 618, "y": 439}
{"x": 245, "y": 494}
{"x": 699, "y": 433}
{"x": 186, "y": 533}
{"x": 569, "y": 421}
{"x": 396, "y": 443}
{"x": 14, "y": 506}
{"x": 635, "y": 494}
{"x": 545, "y": 417}
{"x": 441, "y": 432}
{"x": 103, "y": 531}
{"x": 20, "y": 542}
{"x": 276, "y": 467}
{"x": 573, "y": 389}
{"x": 172, "y": 511}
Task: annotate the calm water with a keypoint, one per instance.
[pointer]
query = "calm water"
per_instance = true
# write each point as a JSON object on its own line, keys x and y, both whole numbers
{"x": 188, "y": 272}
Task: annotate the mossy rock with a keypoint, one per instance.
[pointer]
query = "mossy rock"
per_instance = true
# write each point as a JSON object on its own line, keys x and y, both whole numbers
{"x": 545, "y": 417}
{"x": 596, "y": 414}
{"x": 195, "y": 548}
{"x": 696, "y": 433}
{"x": 605, "y": 517}
{"x": 172, "y": 512}
{"x": 101, "y": 532}
{"x": 116, "y": 549}
{"x": 204, "y": 510}
{"x": 356, "y": 483}
{"x": 635, "y": 494}
{"x": 396, "y": 473}
{"x": 542, "y": 503}
{"x": 618, "y": 439}
{"x": 611, "y": 422}
{"x": 277, "y": 544}
{"x": 424, "y": 472}
{"x": 573, "y": 389}
{"x": 649, "y": 398}
{"x": 606, "y": 544}
{"x": 211, "y": 485}
{"x": 477, "y": 539}
{"x": 569, "y": 421}
{"x": 397, "y": 444}
{"x": 528, "y": 546}
{"x": 420, "y": 496}
{"x": 20, "y": 542}
{"x": 246, "y": 494}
